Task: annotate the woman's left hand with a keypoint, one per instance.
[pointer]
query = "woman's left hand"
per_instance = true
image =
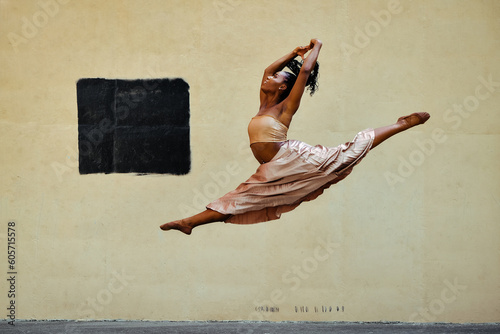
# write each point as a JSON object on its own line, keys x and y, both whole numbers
{"x": 302, "y": 50}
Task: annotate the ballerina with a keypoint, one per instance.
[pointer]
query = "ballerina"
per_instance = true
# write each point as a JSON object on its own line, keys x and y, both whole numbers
{"x": 291, "y": 171}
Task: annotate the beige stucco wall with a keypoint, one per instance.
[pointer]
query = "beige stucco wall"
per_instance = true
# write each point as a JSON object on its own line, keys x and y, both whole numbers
{"x": 411, "y": 235}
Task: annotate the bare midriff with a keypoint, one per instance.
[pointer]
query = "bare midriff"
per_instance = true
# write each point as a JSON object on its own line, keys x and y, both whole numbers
{"x": 265, "y": 151}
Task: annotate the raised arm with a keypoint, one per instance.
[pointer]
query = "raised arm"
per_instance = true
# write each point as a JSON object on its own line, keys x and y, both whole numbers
{"x": 279, "y": 64}
{"x": 292, "y": 102}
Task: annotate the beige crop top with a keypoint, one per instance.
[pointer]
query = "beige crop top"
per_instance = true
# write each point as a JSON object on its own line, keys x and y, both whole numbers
{"x": 266, "y": 128}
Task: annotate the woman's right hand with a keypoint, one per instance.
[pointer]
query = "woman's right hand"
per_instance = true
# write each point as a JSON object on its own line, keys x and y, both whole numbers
{"x": 302, "y": 50}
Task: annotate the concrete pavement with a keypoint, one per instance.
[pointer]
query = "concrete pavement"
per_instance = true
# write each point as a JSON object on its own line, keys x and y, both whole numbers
{"x": 196, "y": 327}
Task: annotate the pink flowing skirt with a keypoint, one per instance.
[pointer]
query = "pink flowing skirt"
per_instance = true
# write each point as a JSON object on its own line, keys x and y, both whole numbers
{"x": 298, "y": 172}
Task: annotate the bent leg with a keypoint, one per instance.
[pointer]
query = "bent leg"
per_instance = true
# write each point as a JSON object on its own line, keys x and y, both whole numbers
{"x": 186, "y": 225}
{"x": 403, "y": 123}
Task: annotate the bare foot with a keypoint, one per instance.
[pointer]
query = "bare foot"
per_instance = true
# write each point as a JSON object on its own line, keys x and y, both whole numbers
{"x": 414, "y": 119}
{"x": 178, "y": 225}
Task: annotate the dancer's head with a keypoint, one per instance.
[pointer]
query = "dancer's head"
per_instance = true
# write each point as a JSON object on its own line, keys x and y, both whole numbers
{"x": 276, "y": 82}
{"x": 291, "y": 77}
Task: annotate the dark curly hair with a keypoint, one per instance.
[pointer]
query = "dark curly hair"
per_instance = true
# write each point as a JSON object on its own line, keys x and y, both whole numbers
{"x": 312, "y": 82}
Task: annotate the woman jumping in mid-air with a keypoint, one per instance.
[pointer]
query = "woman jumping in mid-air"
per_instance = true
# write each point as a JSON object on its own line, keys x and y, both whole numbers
{"x": 291, "y": 171}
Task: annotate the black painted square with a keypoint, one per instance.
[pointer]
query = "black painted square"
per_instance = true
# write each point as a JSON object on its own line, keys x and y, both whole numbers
{"x": 133, "y": 126}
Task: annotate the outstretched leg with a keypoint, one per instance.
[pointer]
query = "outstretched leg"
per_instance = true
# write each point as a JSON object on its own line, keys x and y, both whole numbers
{"x": 187, "y": 224}
{"x": 403, "y": 123}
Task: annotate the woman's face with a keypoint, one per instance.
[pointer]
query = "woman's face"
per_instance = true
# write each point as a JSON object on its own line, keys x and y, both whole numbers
{"x": 276, "y": 81}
